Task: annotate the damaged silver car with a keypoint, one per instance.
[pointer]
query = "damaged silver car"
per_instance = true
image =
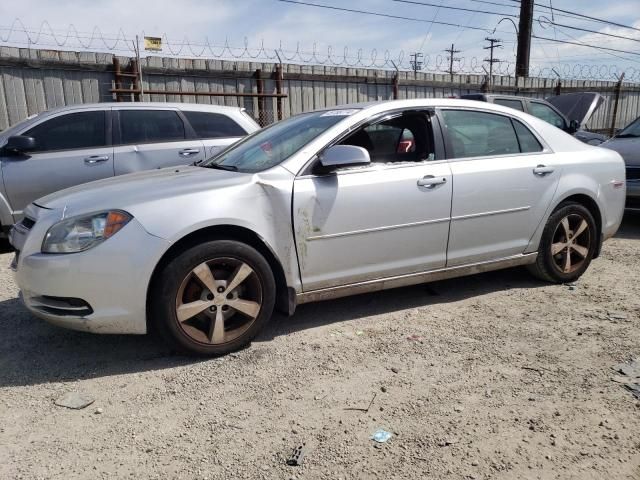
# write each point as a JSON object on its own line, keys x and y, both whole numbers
{"x": 325, "y": 204}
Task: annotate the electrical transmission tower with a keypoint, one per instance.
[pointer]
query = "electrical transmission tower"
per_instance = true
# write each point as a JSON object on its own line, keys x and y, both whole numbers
{"x": 493, "y": 44}
{"x": 416, "y": 63}
{"x": 452, "y": 51}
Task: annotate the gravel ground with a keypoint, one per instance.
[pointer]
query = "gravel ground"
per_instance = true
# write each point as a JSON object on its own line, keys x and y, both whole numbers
{"x": 492, "y": 376}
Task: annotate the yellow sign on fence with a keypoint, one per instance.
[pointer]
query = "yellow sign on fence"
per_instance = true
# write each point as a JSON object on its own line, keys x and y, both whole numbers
{"x": 153, "y": 43}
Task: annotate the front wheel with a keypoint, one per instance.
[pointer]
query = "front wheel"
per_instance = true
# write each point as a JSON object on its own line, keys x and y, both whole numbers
{"x": 567, "y": 245}
{"x": 213, "y": 298}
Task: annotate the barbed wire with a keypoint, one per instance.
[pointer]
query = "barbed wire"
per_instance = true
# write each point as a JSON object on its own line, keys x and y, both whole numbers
{"x": 73, "y": 39}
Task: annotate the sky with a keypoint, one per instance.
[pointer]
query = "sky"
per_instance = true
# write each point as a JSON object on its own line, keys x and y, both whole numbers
{"x": 291, "y": 27}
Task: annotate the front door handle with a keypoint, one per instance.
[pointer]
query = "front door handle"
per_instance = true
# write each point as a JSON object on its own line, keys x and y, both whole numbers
{"x": 543, "y": 170}
{"x": 430, "y": 181}
{"x": 93, "y": 159}
{"x": 187, "y": 152}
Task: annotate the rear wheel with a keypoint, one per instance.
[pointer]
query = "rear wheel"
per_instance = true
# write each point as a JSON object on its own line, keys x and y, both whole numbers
{"x": 567, "y": 245}
{"x": 213, "y": 298}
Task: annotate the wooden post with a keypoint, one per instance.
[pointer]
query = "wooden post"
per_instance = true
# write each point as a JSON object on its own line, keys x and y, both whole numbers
{"x": 136, "y": 80}
{"x": 116, "y": 74}
{"x": 612, "y": 130}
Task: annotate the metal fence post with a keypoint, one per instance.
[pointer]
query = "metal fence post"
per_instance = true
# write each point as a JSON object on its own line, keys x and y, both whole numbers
{"x": 260, "y": 85}
{"x": 612, "y": 130}
{"x": 279, "y": 90}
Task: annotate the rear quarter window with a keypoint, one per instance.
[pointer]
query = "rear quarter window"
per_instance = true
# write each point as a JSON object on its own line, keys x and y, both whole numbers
{"x": 528, "y": 142}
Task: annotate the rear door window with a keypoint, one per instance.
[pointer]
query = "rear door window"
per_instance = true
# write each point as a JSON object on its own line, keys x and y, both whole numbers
{"x": 213, "y": 125}
{"x": 546, "y": 113}
{"x": 479, "y": 134}
{"x": 150, "y": 126}
{"x": 70, "y": 132}
{"x": 509, "y": 102}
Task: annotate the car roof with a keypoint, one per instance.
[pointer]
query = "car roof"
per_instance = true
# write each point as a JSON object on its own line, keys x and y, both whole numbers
{"x": 179, "y": 105}
{"x": 419, "y": 103}
{"x": 498, "y": 95}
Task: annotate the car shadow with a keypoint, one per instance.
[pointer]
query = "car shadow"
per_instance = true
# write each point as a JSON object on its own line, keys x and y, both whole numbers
{"x": 5, "y": 246}
{"x": 379, "y": 303}
{"x": 630, "y": 228}
{"x": 34, "y": 352}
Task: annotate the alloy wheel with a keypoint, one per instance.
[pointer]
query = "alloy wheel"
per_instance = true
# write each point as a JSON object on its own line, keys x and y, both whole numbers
{"x": 571, "y": 243}
{"x": 218, "y": 301}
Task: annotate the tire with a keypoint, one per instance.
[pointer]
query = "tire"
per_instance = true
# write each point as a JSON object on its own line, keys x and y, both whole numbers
{"x": 223, "y": 317}
{"x": 574, "y": 221}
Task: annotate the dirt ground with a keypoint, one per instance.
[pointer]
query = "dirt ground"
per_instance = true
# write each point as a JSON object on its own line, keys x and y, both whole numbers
{"x": 492, "y": 376}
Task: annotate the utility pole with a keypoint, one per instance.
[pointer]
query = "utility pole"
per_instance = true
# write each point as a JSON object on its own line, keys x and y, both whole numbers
{"x": 494, "y": 43}
{"x": 452, "y": 51}
{"x": 524, "y": 38}
{"x": 416, "y": 63}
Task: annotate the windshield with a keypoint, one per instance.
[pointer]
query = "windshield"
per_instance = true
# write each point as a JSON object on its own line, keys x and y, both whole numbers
{"x": 632, "y": 130}
{"x": 271, "y": 146}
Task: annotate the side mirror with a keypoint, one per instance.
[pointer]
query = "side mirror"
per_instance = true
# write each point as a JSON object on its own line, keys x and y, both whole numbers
{"x": 20, "y": 144}
{"x": 344, "y": 156}
{"x": 574, "y": 126}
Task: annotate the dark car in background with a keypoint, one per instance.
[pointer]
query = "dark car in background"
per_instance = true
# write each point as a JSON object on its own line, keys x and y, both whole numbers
{"x": 569, "y": 112}
{"x": 627, "y": 144}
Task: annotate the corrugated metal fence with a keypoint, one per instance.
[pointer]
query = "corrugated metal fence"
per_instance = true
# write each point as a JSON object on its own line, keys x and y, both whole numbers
{"x": 32, "y": 81}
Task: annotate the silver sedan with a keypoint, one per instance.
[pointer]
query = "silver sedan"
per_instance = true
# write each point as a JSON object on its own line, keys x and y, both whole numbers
{"x": 325, "y": 204}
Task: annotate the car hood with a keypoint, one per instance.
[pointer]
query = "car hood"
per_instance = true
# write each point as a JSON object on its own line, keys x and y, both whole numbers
{"x": 629, "y": 148}
{"x": 578, "y": 106}
{"x": 124, "y": 191}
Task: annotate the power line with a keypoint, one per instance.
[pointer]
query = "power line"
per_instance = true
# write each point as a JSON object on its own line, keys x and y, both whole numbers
{"x": 585, "y": 45}
{"x": 580, "y": 15}
{"x": 431, "y": 25}
{"x": 570, "y": 27}
{"x": 518, "y": 6}
{"x": 425, "y": 4}
{"x": 386, "y": 15}
{"x": 607, "y": 53}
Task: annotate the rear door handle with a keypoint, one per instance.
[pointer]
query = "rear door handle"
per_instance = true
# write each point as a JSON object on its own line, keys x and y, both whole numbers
{"x": 187, "y": 152}
{"x": 543, "y": 170}
{"x": 430, "y": 181}
{"x": 93, "y": 159}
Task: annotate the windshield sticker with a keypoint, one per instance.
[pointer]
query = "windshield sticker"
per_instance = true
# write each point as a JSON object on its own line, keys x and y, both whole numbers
{"x": 339, "y": 113}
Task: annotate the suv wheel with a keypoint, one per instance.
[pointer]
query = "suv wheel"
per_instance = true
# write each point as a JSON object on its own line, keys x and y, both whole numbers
{"x": 213, "y": 298}
{"x": 567, "y": 245}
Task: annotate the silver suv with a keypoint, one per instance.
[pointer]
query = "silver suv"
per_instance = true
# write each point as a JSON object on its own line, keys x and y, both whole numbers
{"x": 68, "y": 146}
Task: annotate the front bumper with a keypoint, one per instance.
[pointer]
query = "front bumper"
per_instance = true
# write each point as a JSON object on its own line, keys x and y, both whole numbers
{"x": 101, "y": 290}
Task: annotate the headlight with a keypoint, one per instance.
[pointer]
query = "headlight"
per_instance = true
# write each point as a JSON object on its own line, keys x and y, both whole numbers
{"x": 82, "y": 233}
